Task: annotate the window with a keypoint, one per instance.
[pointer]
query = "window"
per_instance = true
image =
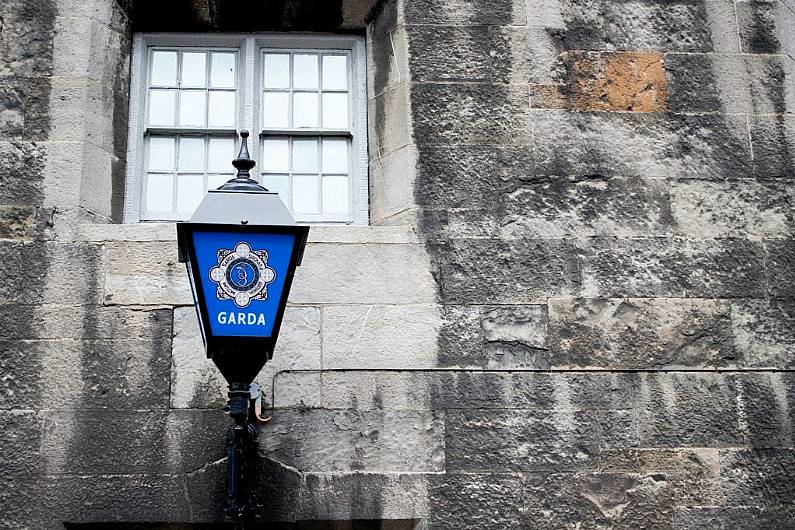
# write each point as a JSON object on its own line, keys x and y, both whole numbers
{"x": 303, "y": 94}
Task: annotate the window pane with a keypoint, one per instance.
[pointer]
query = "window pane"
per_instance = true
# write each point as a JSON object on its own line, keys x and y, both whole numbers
{"x": 216, "y": 181}
{"x": 335, "y": 195}
{"x": 161, "y": 154}
{"x": 335, "y": 72}
{"x": 164, "y": 68}
{"x": 280, "y": 184}
{"x": 161, "y": 107}
{"x": 275, "y": 110}
{"x": 191, "y": 108}
{"x": 220, "y": 156}
{"x": 222, "y": 109}
{"x": 304, "y": 71}
{"x": 305, "y": 194}
{"x": 191, "y": 154}
{"x": 194, "y": 69}
{"x": 335, "y": 155}
{"x": 159, "y": 193}
{"x": 305, "y": 156}
{"x": 277, "y": 70}
{"x": 190, "y": 191}
{"x": 276, "y": 156}
{"x": 305, "y": 110}
{"x": 335, "y": 111}
{"x": 222, "y": 70}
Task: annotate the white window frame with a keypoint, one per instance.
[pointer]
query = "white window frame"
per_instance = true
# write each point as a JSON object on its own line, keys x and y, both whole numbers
{"x": 250, "y": 48}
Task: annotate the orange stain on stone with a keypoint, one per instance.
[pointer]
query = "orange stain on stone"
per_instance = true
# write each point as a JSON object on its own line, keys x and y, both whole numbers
{"x": 612, "y": 81}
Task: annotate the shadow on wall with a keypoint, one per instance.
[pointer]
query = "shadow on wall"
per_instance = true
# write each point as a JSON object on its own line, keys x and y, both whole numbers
{"x": 402, "y": 524}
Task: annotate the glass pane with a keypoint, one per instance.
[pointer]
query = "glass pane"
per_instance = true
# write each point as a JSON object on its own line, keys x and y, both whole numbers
{"x": 304, "y": 110}
{"x": 304, "y": 71}
{"x": 159, "y": 193}
{"x": 191, "y": 154}
{"x": 277, "y": 70}
{"x": 222, "y": 70}
{"x": 304, "y": 155}
{"x": 190, "y": 191}
{"x": 335, "y": 155}
{"x": 335, "y": 195}
{"x": 220, "y": 156}
{"x": 164, "y": 68}
{"x": 305, "y": 194}
{"x": 222, "y": 109}
{"x": 335, "y": 111}
{"x": 161, "y": 154}
{"x": 194, "y": 69}
{"x": 280, "y": 184}
{"x": 216, "y": 181}
{"x": 276, "y": 110}
{"x": 276, "y": 156}
{"x": 161, "y": 107}
{"x": 335, "y": 72}
{"x": 191, "y": 108}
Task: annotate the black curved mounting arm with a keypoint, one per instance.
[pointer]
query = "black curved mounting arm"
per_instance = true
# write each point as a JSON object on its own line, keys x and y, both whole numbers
{"x": 241, "y": 444}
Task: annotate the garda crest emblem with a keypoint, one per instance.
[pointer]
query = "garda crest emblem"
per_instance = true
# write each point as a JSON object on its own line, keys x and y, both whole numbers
{"x": 242, "y": 274}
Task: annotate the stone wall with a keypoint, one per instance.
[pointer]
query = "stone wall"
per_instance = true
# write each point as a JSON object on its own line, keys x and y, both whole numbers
{"x": 575, "y": 308}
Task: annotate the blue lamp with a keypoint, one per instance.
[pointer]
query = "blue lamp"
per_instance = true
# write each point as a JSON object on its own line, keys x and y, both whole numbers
{"x": 241, "y": 248}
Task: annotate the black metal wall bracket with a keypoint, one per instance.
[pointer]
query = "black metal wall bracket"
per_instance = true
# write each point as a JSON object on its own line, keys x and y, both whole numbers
{"x": 241, "y": 443}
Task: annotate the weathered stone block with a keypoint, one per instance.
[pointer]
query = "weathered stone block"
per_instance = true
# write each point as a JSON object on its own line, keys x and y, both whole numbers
{"x": 20, "y": 182}
{"x": 106, "y": 499}
{"x": 764, "y": 412}
{"x": 780, "y": 264}
{"x": 460, "y": 54}
{"x": 146, "y": 273}
{"x": 19, "y": 444}
{"x": 766, "y": 27}
{"x": 389, "y": 123}
{"x": 102, "y": 442}
{"x": 565, "y": 207}
{"x": 374, "y": 442}
{"x": 195, "y": 380}
{"x": 693, "y": 26}
{"x": 403, "y": 336}
{"x": 677, "y": 268}
{"x": 640, "y": 333}
{"x": 392, "y": 184}
{"x": 469, "y": 176}
{"x": 25, "y": 222}
{"x": 515, "y": 336}
{"x": 746, "y": 208}
{"x": 371, "y": 275}
{"x": 733, "y": 517}
{"x": 394, "y": 498}
{"x": 772, "y": 139}
{"x": 26, "y": 44}
{"x": 478, "y": 113}
{"x": 463, "y": 12}
{"x": 602, "y": 500}
{"x": 730, "y": 83}
{"x": 387, "y": 56}
{"x": 508, "y": 272}
{"x": 641, "y": 144}
{"x": 461, "y": 337}
{"x": 521, "y": 440}
{"x": 687, "y": 410}
{"x": 764, "y": 332}
{"x": 474, "y": 501}
{"x": 758, "y": 477}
